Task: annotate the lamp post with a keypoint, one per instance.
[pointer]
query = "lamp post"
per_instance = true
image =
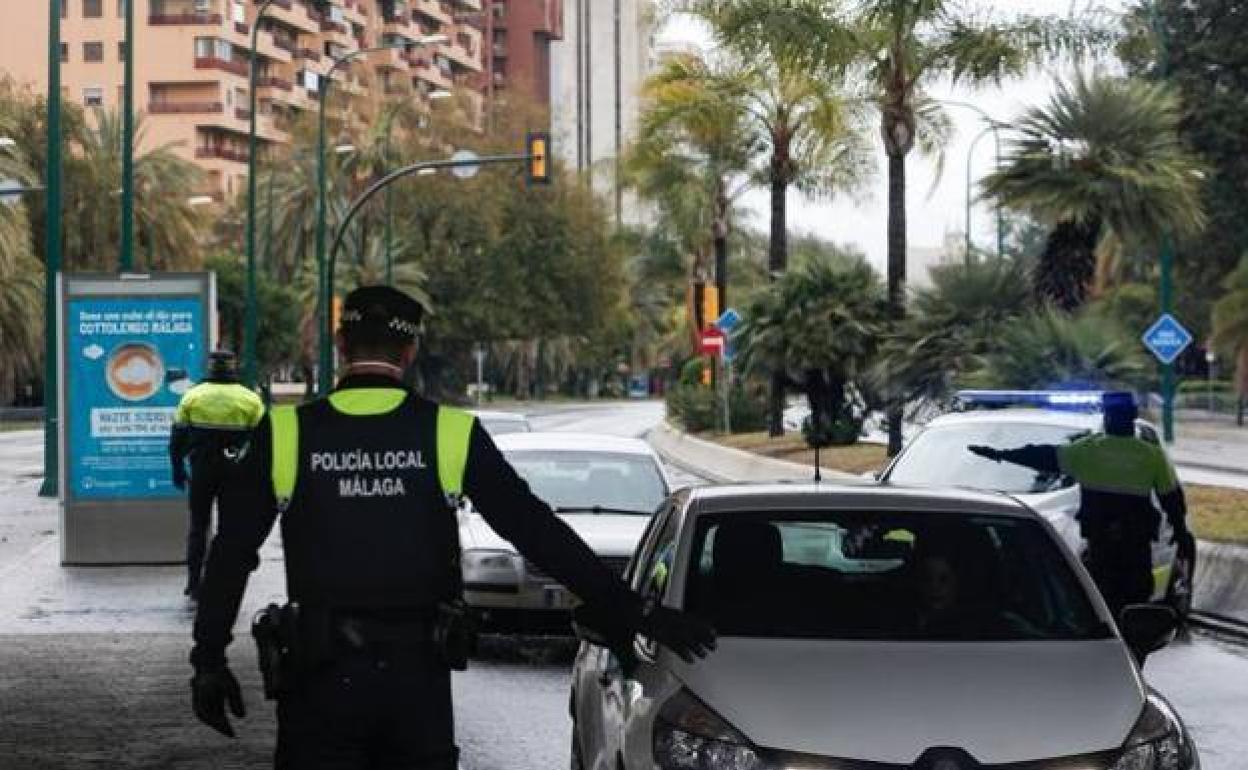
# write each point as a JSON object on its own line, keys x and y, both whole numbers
{"x": 127, "y": 146}
{"x": 995, "y": 126}
{"x": 325, "y": 298}
{"x": 52, "y": 257}
{"x": 970, "y": 155}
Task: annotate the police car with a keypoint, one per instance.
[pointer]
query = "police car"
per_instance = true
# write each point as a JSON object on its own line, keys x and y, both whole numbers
{"x": 874, "y": 628}
{"x": 605, "y": 487}
{"x": 502, "y": 423}
{"x": 938, "y": 457}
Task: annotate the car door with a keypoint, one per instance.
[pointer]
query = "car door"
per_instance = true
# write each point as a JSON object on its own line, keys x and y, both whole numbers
{"x": 648, "y": 576}
{"x": 597, "y": 696}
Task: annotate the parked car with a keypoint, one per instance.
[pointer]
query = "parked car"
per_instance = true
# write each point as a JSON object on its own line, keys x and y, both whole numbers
{"x": 874, "y": 628}
{"x": 939, "y": 456}
{"x": 605, "y": 487}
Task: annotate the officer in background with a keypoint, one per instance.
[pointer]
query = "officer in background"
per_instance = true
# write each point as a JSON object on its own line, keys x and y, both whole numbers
{"x": 365, "y": 481}
{"x": 1117, "y": 474}
{"x": 213, "y": 419}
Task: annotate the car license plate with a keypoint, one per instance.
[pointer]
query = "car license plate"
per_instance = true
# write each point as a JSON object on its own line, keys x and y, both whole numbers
{"x": 556, "y": 598}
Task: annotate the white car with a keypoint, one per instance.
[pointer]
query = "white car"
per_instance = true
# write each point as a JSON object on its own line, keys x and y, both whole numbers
{"x": 502, "y": 423}
{"x": 605, "y": 487}
{"x": 938, "y": 457}
{"x": 874, "y": 628}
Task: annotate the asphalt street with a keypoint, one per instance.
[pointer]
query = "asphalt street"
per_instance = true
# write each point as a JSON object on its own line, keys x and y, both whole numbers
{"x": 93, "y": 670}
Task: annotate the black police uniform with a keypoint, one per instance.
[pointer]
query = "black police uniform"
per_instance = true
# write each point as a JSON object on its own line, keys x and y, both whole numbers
{"x": 377, "y": 563}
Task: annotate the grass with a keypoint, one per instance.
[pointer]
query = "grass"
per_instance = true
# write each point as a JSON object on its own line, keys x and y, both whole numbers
{"x": 1217, "y": 514}
{"x": 19, "y": 425}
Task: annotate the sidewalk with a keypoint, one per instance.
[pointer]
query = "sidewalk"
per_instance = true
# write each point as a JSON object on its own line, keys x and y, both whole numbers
{"x": 1218, "y": 446}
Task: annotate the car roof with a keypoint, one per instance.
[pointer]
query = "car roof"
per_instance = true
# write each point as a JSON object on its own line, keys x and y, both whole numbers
{"x": 572, "y": 442}
{"x": 779, "y": 496}
{"x": 485, "y": 414}
{"x": 1056, "y": 417}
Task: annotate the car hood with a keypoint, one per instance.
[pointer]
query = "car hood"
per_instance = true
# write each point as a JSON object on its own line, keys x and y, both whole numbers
{"x": 606, "y": 534}
{"x": 891, "y": 701}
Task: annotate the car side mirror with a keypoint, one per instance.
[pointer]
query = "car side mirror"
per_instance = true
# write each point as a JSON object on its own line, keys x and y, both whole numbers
{"x": 1146, "y": 628}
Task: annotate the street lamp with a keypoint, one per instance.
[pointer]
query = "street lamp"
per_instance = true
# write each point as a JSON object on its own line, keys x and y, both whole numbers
{"x": 325, "y": 362}
{"x": 970, "y": 155}
{"x": 995, "y": 126}
{"x": 52, "y": 255}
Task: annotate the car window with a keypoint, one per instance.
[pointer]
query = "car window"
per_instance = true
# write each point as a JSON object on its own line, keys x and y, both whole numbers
{"x": 939, "y": 457}
{"x": 655, "y": 570}
{"x": 579, "y": 481}
{"x": 886, "y": 576}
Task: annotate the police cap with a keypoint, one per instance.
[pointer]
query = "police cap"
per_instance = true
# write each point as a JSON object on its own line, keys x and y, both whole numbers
{"x": 1119, "y": 403}
{"x": 383, "y": 310}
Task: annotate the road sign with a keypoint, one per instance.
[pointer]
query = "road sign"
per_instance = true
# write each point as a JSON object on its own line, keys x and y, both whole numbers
{"x": 728, "y": 321}
{"x": 711, "y": 342}
{"x": 1167, "y": 339}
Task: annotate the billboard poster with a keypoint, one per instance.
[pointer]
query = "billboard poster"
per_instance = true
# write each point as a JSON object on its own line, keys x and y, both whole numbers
{"x": 128, "y": 360}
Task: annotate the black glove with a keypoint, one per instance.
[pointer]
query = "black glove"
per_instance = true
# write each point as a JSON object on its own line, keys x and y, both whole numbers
{"x": 986, "y": 452}
{"x": 681, "y": 633}
{"x": 179, "y": 477}
{"x": 1183, "y": 538}
{"x": 211, "y": 689}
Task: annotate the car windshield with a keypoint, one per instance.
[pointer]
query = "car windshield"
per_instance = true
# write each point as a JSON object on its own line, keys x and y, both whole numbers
{"x": 589, "y": 482}
{"x": 884, "y": 576}
{"x": 939, "y": 457}
{"x": 498, "y": 427}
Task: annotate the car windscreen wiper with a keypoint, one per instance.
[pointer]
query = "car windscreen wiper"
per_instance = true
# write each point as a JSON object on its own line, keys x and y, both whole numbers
{"x": 599, "y": 509}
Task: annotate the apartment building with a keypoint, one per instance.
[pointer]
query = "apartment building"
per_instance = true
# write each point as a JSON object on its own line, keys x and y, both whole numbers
{"x": 192, "y": 59}
{"x": 521, "y": 33}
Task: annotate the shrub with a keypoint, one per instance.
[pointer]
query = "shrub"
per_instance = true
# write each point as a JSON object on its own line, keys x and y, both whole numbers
{"x": 697, "y": 408}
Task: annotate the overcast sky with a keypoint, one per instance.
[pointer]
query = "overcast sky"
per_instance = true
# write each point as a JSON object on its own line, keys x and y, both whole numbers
{"x": 864, "y": 222}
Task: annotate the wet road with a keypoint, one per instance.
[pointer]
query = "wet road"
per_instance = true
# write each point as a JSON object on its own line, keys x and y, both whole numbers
{"x": 93, "y": 671}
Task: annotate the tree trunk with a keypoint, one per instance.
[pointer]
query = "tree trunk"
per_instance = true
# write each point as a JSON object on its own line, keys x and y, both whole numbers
{"x": 777, "y": 261}
{"x": 721, "y": 266}
{"x": 896, "y": 274}
{"x": 1068, "y": 264}
{"x": 1241, "y": 381}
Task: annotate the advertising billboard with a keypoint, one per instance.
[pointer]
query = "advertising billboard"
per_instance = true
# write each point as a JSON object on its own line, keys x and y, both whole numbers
{"x": 130, "y": 347}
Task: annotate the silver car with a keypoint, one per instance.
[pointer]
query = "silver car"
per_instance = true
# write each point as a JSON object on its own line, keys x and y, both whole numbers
{"x": 874, "y": 628}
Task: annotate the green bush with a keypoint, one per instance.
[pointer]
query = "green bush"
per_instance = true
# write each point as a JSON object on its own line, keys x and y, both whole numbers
{"x": 697, "y": 408}
{"x": 1198, "y": 387}
{"x": 844, "y": 431}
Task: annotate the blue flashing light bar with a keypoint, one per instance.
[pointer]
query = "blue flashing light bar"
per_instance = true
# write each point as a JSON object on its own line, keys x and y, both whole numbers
{"x": 1077, "y": 400}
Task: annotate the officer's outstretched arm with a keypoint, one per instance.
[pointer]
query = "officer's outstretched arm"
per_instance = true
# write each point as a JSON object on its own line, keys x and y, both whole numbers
{"x": 1040, "y": 457}
{"x": 247, "y": 512}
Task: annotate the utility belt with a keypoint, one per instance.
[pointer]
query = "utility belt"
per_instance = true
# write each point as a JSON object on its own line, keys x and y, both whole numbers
{"x": 292, "y": 640}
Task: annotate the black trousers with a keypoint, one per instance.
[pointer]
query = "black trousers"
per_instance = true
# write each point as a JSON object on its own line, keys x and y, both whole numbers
{"x": 369, "y": 711}
{"x": 1122, "y": 569}
{"x": 205, "y": 487}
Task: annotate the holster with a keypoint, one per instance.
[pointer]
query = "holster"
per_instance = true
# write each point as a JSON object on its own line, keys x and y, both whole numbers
{"x": 283, "y": 645}
{"x": 455, "y": 632}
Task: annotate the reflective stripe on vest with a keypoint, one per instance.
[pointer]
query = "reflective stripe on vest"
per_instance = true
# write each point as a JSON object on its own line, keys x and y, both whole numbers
{"x": 284, "y": 422}
{"x": 454, "y": 433}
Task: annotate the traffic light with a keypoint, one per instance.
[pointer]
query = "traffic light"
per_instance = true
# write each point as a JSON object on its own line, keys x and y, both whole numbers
{"x": 710, "y": 305}
{"x": 336, "y": 312}
{"x": 538, "y": 147}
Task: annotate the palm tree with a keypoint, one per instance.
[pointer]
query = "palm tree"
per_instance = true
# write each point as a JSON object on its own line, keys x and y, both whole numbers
{"x": 949, "y": 328}
{"x": 1050, "y": 349}
{"x": 21, "y": 275}
{"x": 167, "y": 225}
{"x": 1103, "y": 162}
{"x": 896, "y": 50}
{"x": 819, "y": 326}
{"x": 1230, "y": 328}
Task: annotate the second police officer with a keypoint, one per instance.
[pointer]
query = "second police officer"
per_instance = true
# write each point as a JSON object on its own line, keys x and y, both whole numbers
{"x": 364, "y": 482}
{"x": 1118, "y": 474}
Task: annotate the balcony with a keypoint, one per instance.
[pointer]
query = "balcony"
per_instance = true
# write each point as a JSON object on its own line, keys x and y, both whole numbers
{"x": 185, "y": 19}
{"x": 308, "y": 54}
{"x": 185, "y": 108}
{"x": 286, "y": 45}
{"x": 213, "y": 63}
{"x": 272, "y": 81}
{"x": 221, "y": 153}
{"x": 242, "y": 113}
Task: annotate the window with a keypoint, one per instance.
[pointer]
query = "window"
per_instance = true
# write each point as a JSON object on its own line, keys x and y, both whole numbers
{"x": 93, "y": 96}
{"x": 592, "y": 482}
{"x": 121, "y": 9}
{"x": 92, "y": 9}
{"x": 121, "y": 51}
{"x": 64, "y": 52}
{"x": 93, "y": 51}
{"x": 64, "y": 9}
{"x": 885, "y": 575}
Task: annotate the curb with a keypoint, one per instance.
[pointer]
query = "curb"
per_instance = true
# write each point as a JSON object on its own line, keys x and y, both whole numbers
{"x": 1220, "y": 585}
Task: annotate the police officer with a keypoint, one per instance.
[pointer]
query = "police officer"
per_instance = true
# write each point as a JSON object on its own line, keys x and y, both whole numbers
{"x": 213, "y": 419}
{"x": 1118, "y": 474}
{"x": 361, "y": 479}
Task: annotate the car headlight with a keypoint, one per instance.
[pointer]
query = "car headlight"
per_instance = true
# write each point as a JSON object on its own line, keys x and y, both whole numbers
{"x": 1158, "y": 742}
{"x": 689, "y": 736}
{"x": 484, "y": 566}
